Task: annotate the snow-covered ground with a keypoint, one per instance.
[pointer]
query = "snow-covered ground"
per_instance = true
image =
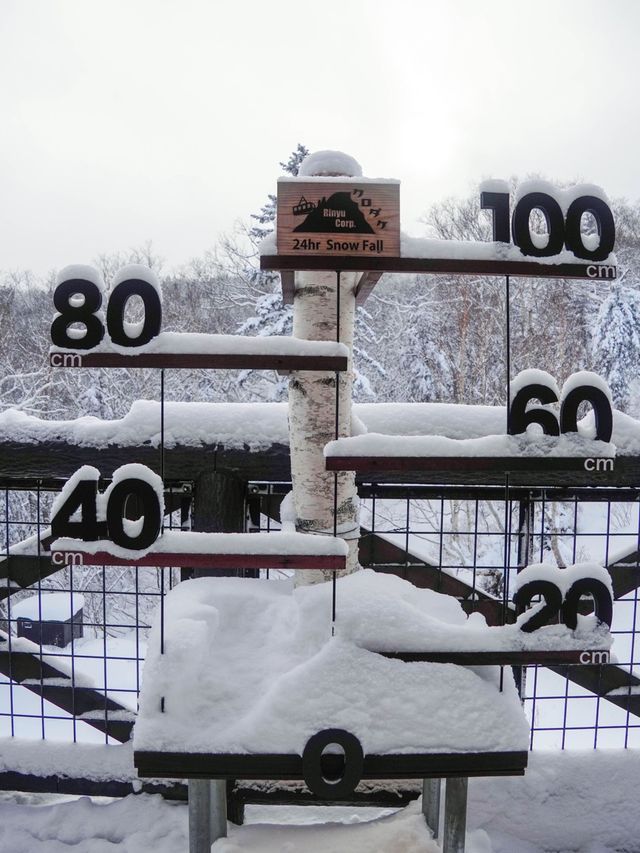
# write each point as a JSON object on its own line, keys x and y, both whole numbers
{"x": 571, "y": 802}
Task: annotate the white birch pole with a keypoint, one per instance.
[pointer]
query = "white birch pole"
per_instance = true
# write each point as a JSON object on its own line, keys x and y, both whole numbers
{"x": 312, "y": 402}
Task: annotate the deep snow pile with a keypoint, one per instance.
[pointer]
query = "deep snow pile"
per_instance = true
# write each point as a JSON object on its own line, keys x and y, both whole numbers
{"x": 404, "y": 832}
{"x": 262, "y": 673}
{"x": 567, "y": 802}
{"x": 258, "y": 426}
{"x": 584, "y": 802}
{"x": 135, "y": 824}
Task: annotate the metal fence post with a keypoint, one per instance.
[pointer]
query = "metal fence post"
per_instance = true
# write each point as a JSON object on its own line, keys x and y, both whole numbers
{"x": 218, "y": 809}
{"x": 431, "y": 804}
{"x": 207, "y": 813}
{"x": 455, "y": 815}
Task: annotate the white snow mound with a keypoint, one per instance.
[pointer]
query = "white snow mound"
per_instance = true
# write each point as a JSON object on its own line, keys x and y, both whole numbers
{"x": 262, "y": 673}
{"x": 328, "y": 164}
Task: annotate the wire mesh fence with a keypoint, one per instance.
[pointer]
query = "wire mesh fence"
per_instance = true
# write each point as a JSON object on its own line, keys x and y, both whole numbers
{"x": 434, "y": 536}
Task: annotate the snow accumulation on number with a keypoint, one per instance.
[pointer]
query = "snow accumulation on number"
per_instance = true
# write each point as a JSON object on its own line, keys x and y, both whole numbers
{"x": 263, "y": 674}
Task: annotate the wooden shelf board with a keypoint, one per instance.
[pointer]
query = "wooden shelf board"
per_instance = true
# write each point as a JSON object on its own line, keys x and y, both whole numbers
{"x": 534, "y": 468}
{"x": 230, "y": 361}
{"x": 205, "y": 561}
{"x": 503, "y": 658}
{"x": 286, "y": 766}
{"x": 374, "y": 267}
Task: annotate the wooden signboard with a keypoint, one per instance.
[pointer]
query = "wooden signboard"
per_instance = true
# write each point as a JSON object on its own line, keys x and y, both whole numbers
{"x": 338, "y": 217}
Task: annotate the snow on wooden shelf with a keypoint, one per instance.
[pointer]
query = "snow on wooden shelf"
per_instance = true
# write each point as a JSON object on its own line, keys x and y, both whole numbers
{"x": 277, "y": 766}
{"x": 211, "y": 550}
{"x": 286, "y": 678}
{"x": 375, "y": 452}
{"x": 515, "y": 657}
{"x": 195, "y": 350}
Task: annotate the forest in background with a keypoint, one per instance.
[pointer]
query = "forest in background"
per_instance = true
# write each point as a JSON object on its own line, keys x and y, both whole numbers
{"x": 418, "y": 338}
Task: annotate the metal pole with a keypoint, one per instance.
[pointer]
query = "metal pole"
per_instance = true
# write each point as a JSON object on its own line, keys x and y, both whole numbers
{"x": 218, "y": 809}
{"x": 455, "y": 815}
{"x": 431, "y": 804}
{"x": 207, "y": 813}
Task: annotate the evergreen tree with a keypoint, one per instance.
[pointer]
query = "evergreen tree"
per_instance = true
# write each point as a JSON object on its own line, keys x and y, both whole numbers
{"x": 271, "y": 316}
{"x": 616, "y": 341}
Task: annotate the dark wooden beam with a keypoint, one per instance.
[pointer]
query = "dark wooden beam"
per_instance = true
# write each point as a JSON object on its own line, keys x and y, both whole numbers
{"x": 291, "y": 794}
{"x": 365, "y": 285}
{"x": 531, "y": 471}
{"x": 448, "y": 266}
{"x": 14, "y": 780}
{"x": 204, "y": 765}
{"x": 218, "y": 507}
{"x": 601, "y": 680}
{"x": 46, "y": 680}
{"x": 363, "y": 288}
{"x": 223, "y": 561}
{"x": 233, "y": 361}
{"x": 498, "y": 658}
{"x": 625, "y": 574}
{"x": 288, "y": 281}
{"x": 49, "y": 462}
{"x": 23, "y": 464}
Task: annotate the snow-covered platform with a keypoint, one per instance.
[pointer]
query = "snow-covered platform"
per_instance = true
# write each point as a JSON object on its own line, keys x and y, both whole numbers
{"x": 433, "y": 256}
{"x": 250, "y": 441}
{"x": 225, "y": 352}
{"x": 211, "y": 550}
{"x": 398, "y": 457}
{"x": 263, "y": 674}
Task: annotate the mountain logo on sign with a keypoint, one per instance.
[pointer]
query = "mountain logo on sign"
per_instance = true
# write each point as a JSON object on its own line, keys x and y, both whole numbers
{"x": 338, "y": 214}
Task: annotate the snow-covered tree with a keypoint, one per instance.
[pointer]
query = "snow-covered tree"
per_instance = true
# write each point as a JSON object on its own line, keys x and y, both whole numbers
{"x": 271, "y": 316}
{"x": 616, "y": 341}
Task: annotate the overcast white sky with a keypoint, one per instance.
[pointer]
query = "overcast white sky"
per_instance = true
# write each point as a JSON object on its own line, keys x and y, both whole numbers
{"x": 132, "y": 120}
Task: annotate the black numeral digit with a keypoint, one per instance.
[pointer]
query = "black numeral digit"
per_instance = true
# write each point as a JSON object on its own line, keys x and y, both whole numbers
{"x": 82, "y": 498}
{"x": 118, "y": 299}
{"x": 601, "y": 410}
{"x": 552, "y": 213}
{"x": 69, "y": 313}
{"x": 520, "y": 417}
{"x": 332, "y": 775}
{"x": 602, "y": 601}
{"x": 552, "y": 603}
{"x": 146, "y": 499}
{"x": 499, "y": 204}
{"x": 601, "y": 212}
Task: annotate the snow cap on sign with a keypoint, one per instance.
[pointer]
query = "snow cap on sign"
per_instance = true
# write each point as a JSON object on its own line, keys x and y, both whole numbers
{"x": 533, "y": 376}
{"x": 328, "y": 164}
{"x": 81, "y": 271}
{"x": 137, "y": 271}
{"x": 586, "y": 377}
{"x": 494, "y": 185}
